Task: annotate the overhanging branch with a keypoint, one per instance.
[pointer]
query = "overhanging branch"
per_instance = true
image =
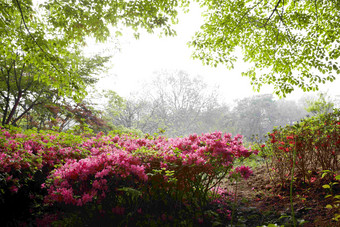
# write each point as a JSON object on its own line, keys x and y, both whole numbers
{"x": 277, "y": 5}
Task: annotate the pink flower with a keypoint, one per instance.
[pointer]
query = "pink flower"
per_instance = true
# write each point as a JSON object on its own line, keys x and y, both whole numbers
{"x": 102, "y": 173}
{"x": 9, "y": 178}
{"x": 245, "y": 171}
{"x": 13, "y": 189}
{"x": 312, "y": 179}
{"x": 86, "y": 198}
{"x": 7, "y": 134}
{"x": 46, "y": 220}
{"x": 164, "y": 165}
{"x": 67, "y": 195}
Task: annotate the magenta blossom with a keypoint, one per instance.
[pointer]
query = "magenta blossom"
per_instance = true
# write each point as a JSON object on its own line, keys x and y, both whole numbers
{"x": 245, "y": 171}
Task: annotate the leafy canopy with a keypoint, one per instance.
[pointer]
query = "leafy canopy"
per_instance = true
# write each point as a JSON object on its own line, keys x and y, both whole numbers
{"x": 292, "y": 43}
{"x": 49, "y": 34}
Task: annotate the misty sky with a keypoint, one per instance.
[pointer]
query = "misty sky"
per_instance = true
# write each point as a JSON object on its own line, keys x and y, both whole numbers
{"x": 139, "y": 59}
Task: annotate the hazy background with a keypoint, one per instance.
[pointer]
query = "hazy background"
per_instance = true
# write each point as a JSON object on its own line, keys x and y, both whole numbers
{"x": 135, "y": 62}
{"x": 156, "y": 87}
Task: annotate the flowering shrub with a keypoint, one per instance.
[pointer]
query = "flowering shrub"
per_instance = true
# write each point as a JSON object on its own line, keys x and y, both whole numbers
{"x": 316, "y": 143}
{"x": 118, "y": 175}
{"x": 25, "y": 153}
{"x": 26, "y": 158}
{"x": 221, "y": 199}
{"x": 88, "y": 178}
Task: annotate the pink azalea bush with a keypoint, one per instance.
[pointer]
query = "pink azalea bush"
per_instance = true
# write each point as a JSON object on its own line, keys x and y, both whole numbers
{"x": 118, "y": 174}
{"x": 26, "y": 158}
{"x": 25, "y": 153}
{"x": 78, "y": 182}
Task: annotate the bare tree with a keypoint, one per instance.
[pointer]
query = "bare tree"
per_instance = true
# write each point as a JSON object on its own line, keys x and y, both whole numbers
{"x": 175, "y": 102}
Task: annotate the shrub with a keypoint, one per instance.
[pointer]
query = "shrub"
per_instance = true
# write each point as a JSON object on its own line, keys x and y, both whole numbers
{"x": 116, "y": 177}
{"x": 315, "y": 141}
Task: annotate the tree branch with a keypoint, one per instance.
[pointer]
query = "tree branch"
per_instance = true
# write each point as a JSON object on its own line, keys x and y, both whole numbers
{"x": 281, "y": 19}
{"x": 277, "y": 5}
{"x": 25, "y": 111}
{"x": 238, "y": 23}
{"x": 4, "y": 118}
{"x": 23, "y": 19}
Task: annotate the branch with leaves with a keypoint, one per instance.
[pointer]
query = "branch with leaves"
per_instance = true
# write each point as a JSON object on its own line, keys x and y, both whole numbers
{"x": 289, "y": 44}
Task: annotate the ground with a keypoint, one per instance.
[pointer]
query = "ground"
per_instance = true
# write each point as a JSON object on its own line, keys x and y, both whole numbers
{"x": 261, "y": 202}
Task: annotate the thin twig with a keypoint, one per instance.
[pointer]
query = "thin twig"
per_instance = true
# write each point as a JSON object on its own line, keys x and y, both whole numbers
{"x": 277, "y": 5}
{"x": 245, "y": 15}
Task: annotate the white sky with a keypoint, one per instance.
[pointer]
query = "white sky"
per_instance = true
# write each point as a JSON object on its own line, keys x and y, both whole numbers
{"x": 138, "y": 59}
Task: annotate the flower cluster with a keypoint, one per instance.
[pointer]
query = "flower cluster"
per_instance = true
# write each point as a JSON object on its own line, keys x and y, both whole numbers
{"x": 122, "y": 156}
{"x": 78, "y": 182}
{"x": 23, "y": 154}
{"x": 222, "y": 199}
{"x": 244, "y": 171}
{"x": 113, "y": 169}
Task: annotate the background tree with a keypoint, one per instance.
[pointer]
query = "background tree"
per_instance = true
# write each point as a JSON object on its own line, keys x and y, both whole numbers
{"x": 184, "y": 99}
{"x": 290, "y": 111}
{"x": 174, "y": 102}
{"x": 320, "y": 105}
{"x": 255, "y": 116}
{"x": 291, "y": 43}
{"x": 213, "y": 119}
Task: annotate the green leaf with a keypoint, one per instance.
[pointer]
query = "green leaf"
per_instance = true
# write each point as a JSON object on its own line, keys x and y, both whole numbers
{"x": 326, "y": 186}
{"x": 329, "y": 206}
{"x": 337, "y": 217}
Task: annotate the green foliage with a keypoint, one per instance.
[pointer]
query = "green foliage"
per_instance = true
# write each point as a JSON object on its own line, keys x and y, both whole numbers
{"x": 303, "y": 150}
{"x": 22, "y": 95}
{"x": 293, "y": 43}
{"x": 29, "y": 45}
{"x": 40, "y": 47}
{"x": 78, "y": 20}
{"x": 321, "y": 105}
{"x": 335, "y": 202}
{"x": 115, "y": 103}
{"x": 38, "y": 67}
